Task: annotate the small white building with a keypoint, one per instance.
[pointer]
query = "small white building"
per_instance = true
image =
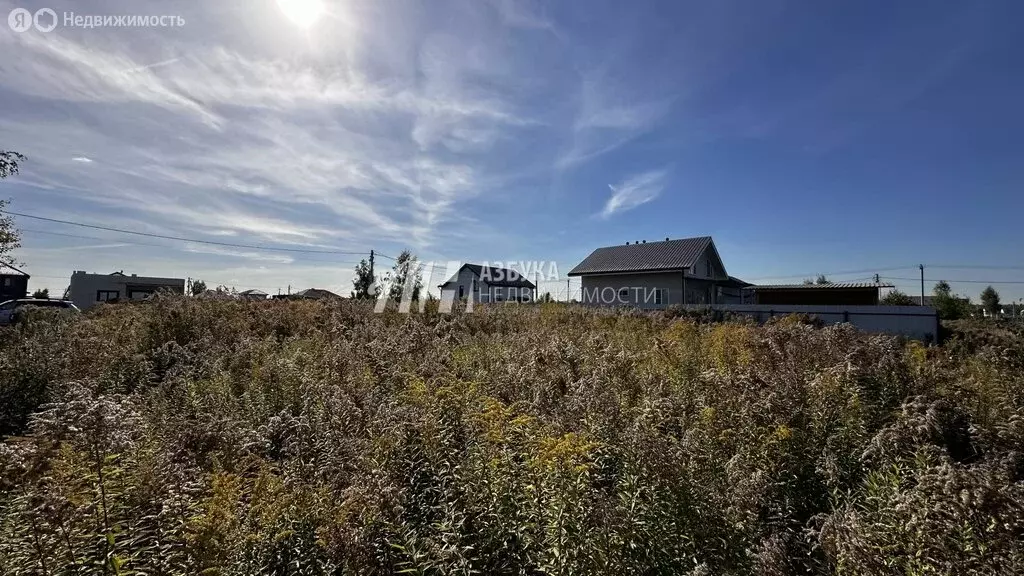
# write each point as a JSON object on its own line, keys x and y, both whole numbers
{"x": 487, "y": 284}
{"x": 87, "y": 289}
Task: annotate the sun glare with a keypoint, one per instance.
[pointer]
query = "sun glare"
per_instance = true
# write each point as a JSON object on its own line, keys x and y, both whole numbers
{"x": 302, "y": 12}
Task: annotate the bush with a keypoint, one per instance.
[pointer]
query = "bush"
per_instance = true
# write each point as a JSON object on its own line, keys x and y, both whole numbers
{"x": 226, "y": 437}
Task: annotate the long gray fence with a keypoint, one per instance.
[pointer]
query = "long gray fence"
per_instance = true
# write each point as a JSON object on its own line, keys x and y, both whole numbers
{"x": 919, "y": 322}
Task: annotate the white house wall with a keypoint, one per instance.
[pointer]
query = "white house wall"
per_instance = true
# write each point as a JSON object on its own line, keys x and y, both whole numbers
{"x": 487, "y": 293}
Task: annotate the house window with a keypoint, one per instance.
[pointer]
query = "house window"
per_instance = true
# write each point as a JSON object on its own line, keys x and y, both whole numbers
{"x": 497, "y": 294}
{"x": 476, "y": 287}
{"x": 461, "y": 291}
{"x": 512, "y": 293}
{"x": 623, "y": 294}
{"x": 107, "y": 295}
{"x": 708, "y": 265}
{"x": 658, "y": 296}
{"x": 7, "y": 282}
{"x": 139, "y": 294}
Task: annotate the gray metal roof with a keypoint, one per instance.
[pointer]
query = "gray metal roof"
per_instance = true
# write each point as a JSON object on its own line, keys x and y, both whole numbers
{"x": 832, "y": 285}
{"x": 644, "y": 257}
{"x": 494, "y": 276}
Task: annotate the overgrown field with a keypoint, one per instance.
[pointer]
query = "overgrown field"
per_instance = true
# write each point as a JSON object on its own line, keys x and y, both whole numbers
{"x": 187, "y": 437}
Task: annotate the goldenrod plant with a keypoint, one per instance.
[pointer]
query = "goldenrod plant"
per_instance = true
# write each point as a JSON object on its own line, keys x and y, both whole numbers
{"x": 203, "y": 436}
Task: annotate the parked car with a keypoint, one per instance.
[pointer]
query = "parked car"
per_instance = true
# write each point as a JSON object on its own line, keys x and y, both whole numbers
{"x": 9, "y": 310}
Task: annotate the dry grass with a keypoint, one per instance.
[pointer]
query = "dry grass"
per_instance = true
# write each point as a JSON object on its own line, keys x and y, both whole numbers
{"x": 185, "y": 437}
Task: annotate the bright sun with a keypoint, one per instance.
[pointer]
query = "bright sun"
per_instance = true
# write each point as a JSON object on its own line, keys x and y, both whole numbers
{"x": 302, "y": 12}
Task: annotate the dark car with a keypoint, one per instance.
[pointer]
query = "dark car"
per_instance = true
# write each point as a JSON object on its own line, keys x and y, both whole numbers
{"x": 9, "y": 310}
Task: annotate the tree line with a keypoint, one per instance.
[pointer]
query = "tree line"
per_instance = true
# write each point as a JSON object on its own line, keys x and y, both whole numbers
{"x": 949, "y": 306}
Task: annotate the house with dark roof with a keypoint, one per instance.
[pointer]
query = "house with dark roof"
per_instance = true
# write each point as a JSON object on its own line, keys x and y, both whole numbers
{"x": 316, "y": 294}
{"x": 13, "y": 282}
{"x": 657, "y": 274}
{"x": 487, "y": 284}
{"x": 253, "y": 294}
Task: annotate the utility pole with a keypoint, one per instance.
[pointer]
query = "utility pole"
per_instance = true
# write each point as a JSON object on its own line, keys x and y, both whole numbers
{"x": 188, "y": 286}
{"x": 373, "y": 278}
{"x": 876, "y": 279}
{"x": 921, "y": 266}
{"x": 568, "y": 292}
{"x": 536, "y": 286}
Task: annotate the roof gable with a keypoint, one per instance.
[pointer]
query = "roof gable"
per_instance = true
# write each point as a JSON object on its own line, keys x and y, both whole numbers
{"x": 493, "y": 276}
{"x": 8, "y": 270}
{"x": 647, "y": 257}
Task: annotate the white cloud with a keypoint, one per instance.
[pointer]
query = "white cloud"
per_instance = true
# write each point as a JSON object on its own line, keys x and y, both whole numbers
{"x": 403, "y": 135}
{"x": 607, "y": 117}
{"x": 634, "y": 191}
{"x": 234, "y": 253}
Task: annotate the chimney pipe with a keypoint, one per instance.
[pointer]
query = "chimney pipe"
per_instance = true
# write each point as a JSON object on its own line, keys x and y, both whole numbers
{"x": 666, "y": 238}
{"x": 645, "y": 241}
{"x": 627, "y": 242}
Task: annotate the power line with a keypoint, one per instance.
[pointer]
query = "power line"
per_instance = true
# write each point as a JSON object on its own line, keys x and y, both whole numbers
{"x": 973, "y": 267}
{"x": 181, "y": 239}
{"x": 131, "y": 242}
{"x": 82, "y": 237}
{"x": 960, "y": 281}
{"x": 846, "y": 273}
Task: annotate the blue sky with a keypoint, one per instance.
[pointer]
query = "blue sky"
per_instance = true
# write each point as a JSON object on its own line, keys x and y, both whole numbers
{"x": 804, "y": 137}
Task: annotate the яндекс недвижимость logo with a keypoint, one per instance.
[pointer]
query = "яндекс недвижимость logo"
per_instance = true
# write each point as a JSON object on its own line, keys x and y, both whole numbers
{"x": 46, "y": 20}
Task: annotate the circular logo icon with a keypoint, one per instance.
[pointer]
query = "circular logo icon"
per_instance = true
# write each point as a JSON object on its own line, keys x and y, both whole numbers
{"x": 19, "y": 19}
{"x": 48, "y": 21}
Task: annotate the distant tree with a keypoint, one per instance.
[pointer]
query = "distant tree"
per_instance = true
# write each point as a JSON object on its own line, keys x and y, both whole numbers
{"x": 821, "y": 279}
{"x": 948, "y": 305}
{"x": 990, "y": 300}
{"x": 44, "y": 293}
{"x": 546, "y": 297}
{"x": 897, "y": 298}
{"x": 197, "y": 287}
{"x": 405, "y": 265}
{"x": 9, "y": 163}
{"x": 10, "y": 237}
{"x": 363, "y": 282}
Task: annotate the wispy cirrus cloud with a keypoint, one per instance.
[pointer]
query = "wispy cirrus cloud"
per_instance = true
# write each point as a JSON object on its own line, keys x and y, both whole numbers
{"x": 607, "y": 118}
{"x": 634, "y": 191}
{"x": 339, "y": 144}
{"x": 411, "y": 129}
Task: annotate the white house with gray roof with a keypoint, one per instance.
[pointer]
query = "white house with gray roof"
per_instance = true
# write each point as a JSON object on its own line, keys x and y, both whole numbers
{"x": 487, "y": 284}
{"x": 657, "y": 274}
